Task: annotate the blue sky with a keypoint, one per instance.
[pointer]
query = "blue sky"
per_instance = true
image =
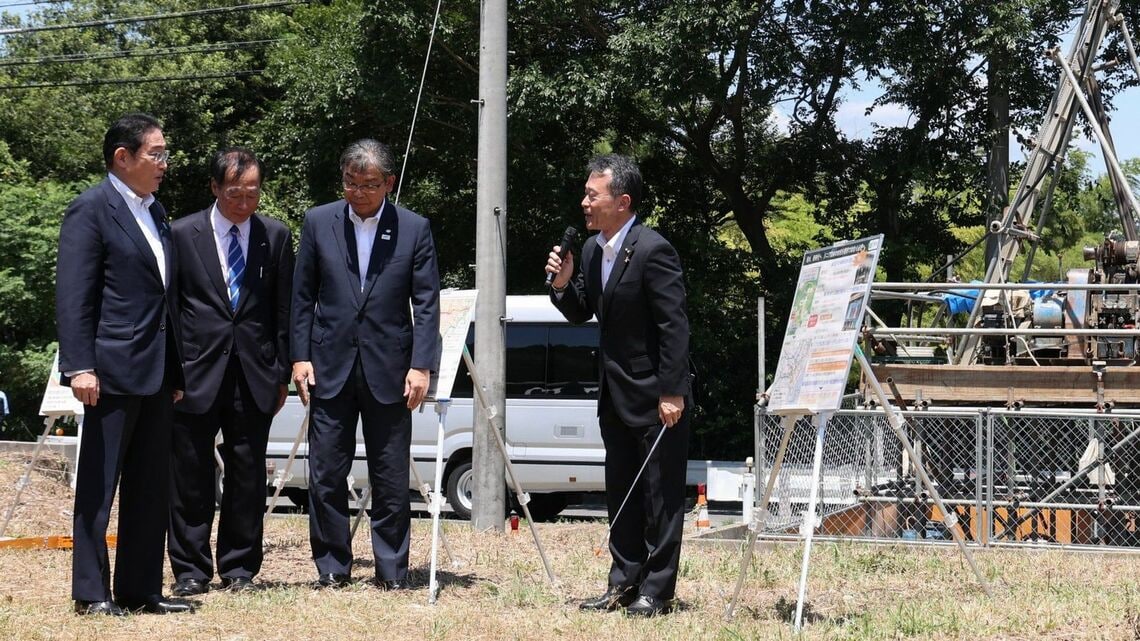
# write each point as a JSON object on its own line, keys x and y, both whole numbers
{"x": 853, "y": 121}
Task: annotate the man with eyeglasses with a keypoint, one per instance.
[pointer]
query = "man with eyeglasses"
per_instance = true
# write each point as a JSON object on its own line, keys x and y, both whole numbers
{"x": 118, "y": 350}
{"x": 235, "y": 277}
{"x": 365, "y": 341}
{"x": 630, "y": 278}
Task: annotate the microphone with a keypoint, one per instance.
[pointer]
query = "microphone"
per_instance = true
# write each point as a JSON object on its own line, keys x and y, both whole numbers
{"x": 568, "y": 237}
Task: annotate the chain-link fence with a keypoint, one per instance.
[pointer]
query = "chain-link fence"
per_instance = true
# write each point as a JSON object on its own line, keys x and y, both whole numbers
{"x": 1012, "y": 477}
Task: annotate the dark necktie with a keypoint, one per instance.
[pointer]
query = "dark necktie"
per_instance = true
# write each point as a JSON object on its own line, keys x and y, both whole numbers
{"x": 236, "y": 268}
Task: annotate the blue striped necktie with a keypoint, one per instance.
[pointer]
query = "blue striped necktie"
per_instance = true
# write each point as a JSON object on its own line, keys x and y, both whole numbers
{"x": 236, "y": 268}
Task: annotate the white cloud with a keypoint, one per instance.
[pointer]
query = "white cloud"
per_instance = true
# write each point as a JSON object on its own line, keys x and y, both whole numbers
{"x": 852, "y": 118}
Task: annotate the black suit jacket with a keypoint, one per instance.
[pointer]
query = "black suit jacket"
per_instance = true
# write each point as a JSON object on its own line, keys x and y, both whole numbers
{"x": 258, "y": 331}
{"x": 334, "y": 321}
{"x": 642, "y": 320}
{"x": 113, "y": 314}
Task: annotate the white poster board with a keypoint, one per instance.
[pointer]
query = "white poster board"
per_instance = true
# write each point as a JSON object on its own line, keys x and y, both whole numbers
{"x": 456, "y": 309}
{"x": 819, "y": 343}
{"x": 58, "y": 400}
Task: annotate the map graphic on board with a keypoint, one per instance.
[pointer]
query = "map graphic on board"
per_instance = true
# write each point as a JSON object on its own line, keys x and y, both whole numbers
{"x": 456, "y": 309}
{"x": 831, "y": 297}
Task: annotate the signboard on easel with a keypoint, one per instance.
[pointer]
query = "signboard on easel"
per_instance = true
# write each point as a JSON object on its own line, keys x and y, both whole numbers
{"x": 827, "y": 310}
{"x": 58, "y": 400}
{"x": 456, "y": 309}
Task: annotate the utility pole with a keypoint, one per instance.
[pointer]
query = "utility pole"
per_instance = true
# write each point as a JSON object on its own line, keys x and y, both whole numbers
{"x": 489, "y": 499}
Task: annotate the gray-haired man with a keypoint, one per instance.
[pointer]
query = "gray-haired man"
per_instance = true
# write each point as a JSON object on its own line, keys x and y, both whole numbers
{"x": 365, "y": 269}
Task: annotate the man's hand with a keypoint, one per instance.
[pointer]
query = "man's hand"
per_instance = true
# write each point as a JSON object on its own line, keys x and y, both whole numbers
{"x": 669, "y": 409}
{"x": 303, "y": 377}
{"x": 415, "y": 386}
{"x": 178, "y": 395}
{"x": 562, "y": 269}
{"x": 282, "y": 394}
{"x": 85, "y": 388}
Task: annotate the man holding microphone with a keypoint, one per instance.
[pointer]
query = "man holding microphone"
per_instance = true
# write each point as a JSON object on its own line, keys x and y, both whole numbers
{"x": 630, "y": 278}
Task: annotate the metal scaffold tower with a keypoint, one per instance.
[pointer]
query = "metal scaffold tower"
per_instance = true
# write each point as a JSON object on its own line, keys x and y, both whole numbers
{"x": 1077, "y": 92}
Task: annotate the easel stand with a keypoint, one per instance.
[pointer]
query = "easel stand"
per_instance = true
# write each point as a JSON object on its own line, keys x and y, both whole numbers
{"x": 522, "y": 497}
{"x": 435, "y": 502}
{"x": 788, "y": 421}
{"x": 285, "y": 474}
{"x": 49, "y": 422}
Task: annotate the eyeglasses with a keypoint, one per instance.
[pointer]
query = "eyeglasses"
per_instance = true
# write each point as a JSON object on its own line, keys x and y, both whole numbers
{"x": 159, "y": 157}
{"x": 364, "y": 189}
{"x": 596, "y": 196}
{"x": 236, "y": 193}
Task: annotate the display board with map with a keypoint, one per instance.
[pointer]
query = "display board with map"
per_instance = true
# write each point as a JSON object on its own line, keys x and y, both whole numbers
{"x": 827, "y": 310}
{"x": 456, "y": 309}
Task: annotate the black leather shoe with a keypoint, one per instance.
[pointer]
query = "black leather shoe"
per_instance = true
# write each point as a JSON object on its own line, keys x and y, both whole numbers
{"x": 331, "y": 580}
{"x": 648, "y": 606}
{"x": 157, "y": 604}
{"x": 615, "y": 596}
{"x": 190, "y": 587}
{"x": 237, "y": 583}
{"x": 107, "y": 608}
{"x": 392, "y": 584}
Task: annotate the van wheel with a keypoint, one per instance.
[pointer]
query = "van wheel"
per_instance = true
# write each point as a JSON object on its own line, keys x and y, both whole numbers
{"x": 543, "y": 507}
{"x": 460, "y": 485}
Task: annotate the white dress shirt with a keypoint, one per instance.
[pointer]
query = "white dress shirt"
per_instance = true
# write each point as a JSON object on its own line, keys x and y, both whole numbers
{"x": 610, "y": 248}
{"x": 221, "y": 228}
{"x": 140, "y": 209}
{"x": 365, "y": 229}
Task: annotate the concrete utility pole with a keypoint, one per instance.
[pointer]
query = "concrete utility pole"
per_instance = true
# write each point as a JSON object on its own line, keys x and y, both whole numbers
{"x": 489, "y": 499}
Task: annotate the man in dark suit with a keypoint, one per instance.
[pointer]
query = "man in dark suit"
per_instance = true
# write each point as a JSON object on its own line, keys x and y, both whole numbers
{"x": 235, "y": 279}
{"x": 115, "y": 295}
{"x": 366, "y": 269}
{"x": 630, "y": 279}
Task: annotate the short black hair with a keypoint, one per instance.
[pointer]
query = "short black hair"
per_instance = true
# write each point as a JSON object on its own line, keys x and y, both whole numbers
{"x": 127, "y": 132}
{"x": 625, "y": 177}
{"x": 239, "y": 159}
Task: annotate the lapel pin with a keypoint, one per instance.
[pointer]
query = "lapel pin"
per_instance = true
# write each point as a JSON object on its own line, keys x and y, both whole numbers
{"x": 628, "y": 255}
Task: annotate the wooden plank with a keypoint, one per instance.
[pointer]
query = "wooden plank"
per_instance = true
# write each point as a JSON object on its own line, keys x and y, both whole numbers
{"x": 1047, "y": 385}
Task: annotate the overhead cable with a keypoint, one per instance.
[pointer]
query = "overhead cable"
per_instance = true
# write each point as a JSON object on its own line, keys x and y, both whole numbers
{"x": 138, "y": 52}
{"x": 151, "y": 18}
{"x": 132, "y": 81}
{"x": 28, "y": 3}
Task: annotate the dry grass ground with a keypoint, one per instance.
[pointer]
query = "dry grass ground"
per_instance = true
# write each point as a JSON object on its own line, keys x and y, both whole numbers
{"x": 500, "y": 591}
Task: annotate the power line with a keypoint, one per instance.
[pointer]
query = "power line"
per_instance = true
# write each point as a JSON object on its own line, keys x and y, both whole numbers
{"x": 151, "y": 18}
{"x": 131, "y": 81}
{"x": 135, "y": 53}
{"x": 28, "y": 3}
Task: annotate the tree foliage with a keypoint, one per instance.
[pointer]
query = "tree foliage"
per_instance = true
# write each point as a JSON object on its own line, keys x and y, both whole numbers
{"x": 730, "y": 107}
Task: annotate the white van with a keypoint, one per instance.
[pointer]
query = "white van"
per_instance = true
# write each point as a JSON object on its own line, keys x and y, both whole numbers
{"x": 552, "y": 432}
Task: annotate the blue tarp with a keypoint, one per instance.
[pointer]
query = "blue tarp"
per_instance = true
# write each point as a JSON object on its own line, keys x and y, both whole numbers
{"x": 962, "y": 300}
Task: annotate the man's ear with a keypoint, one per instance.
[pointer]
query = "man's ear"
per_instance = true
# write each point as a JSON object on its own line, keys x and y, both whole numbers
{"x": 624, "y": 202}
{"x": 120, "y": 157}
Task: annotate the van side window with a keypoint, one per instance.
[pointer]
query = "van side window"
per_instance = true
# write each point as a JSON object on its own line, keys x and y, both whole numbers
{"x": 573, "y": 365}
{"x": 526, "y": 360}
{"x": 543, "y": 360}
{"x": 462, "y": 387}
